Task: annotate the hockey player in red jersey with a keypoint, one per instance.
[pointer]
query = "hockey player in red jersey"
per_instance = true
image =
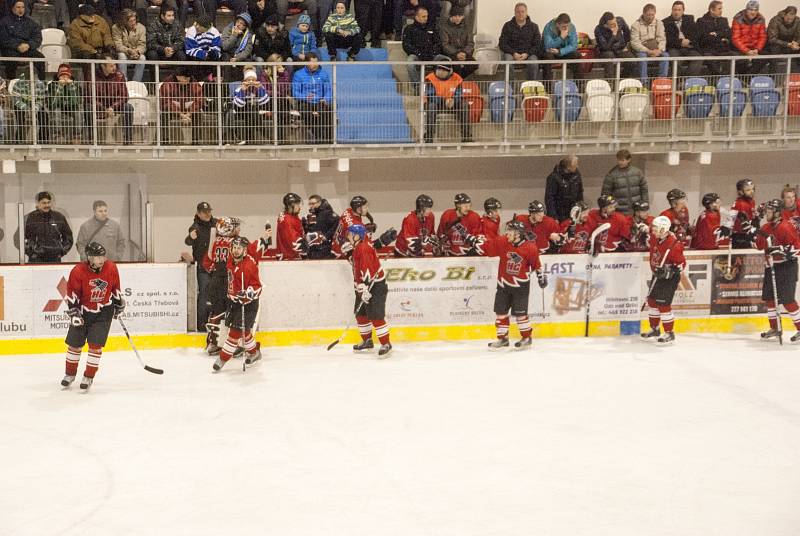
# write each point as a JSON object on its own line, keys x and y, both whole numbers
{"x": 607, "y": 213}
{"x": 639, "y": 222}
{"x": 575, "y": 232}
{"x": 418, "y": 230}
{"x": 359, "y": 208}
{"x": 746, "y": 215}
{"x": 518, "y": 258}
{"x": 678, "y": 214}
{"x": 243, "y": 292}
{"x": 490, "y": 221}
{"x": 539, "y": 228}
{"x": 667, "y": 262}
{"x": 371, "y": 291}
{"x": 791, "y": 207}
{"x": 780, "y": 242}
{"x": 708, "y": 234}
{"x": 291, "y": 241}
{"x": 93, "y": 300}
{"x": 215, "y": 262}
{"x": 459, "y": 228}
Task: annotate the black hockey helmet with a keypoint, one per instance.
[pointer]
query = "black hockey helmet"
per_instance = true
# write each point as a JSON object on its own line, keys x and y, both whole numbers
{"x": 741, "y": 184}
{"x": 461, "y": 199}
{"x": 641, "y": 206}
{"x": 606, "y": 201}
{"x": 290, "y": 199}
{"x": 242, "y": 242}
{"x": 424, "y": 201}
{"x": 535, "y": 206}
{"x": 709, "y": 198}
{"x": 675, "y": 195}
{"x": 775, "y": 205}
{"x": 95, "y": 249}
{"x": 492, "y": 204}
{"x": 357, "y": 202}
{"x": 516, "y": 225}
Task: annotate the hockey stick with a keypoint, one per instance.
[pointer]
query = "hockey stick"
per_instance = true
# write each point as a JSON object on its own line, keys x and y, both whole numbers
{"x": 244, "y": 359}
{"x": 653, "y": 282}
{"x": 730, "y": 216}
{"x": 148, "y": 368}
{"x": 775, "y": 292}
{"x": 589, "y": 272}
{"x": 350, "y": 321}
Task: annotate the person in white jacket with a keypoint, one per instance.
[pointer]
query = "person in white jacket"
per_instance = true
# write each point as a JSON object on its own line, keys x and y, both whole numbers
{"x": 648, "y": 40}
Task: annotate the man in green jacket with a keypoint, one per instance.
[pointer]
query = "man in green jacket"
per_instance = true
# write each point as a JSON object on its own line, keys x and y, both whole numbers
{"x": 66, "y": 107}
{"x": 626, "y": 183}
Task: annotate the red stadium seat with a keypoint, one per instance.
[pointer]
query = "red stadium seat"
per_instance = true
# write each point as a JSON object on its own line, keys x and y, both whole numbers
{"x": 794, "y": 94}
{"x": 472, "y": 94}
{"x": 661, "y": 98}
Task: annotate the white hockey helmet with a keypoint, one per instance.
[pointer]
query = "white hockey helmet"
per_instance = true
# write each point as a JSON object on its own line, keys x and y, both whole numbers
{"x": 661, "y": 225}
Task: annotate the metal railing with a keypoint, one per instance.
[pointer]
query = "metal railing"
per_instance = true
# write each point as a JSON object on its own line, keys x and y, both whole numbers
{"x": 368, "y": 103}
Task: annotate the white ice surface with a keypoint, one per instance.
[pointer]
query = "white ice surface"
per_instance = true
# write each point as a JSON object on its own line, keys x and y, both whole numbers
{"x": 574, "y": 437}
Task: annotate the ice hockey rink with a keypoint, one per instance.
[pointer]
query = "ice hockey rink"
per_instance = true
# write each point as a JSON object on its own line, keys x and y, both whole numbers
{"x": 606, "y": 436}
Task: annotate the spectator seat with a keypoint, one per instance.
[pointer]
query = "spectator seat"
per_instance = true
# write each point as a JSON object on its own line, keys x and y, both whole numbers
{"x": 535, "y": 101}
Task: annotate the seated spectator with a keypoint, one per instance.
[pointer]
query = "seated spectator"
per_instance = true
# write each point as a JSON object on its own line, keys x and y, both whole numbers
{"x": 648, "y": 40}
{"x": 103, "y": 230}
{"x": 613, "y": 38}
{"x": 66, "y": 107}
{"x": 302, "y": 39}
{"x": 143, "y": 5}
{"x": 20, "y": 37}
{"x": 181, "y": 103}
{"x": 714, "y": 37}
{"x": 278, "y": 83}
{"x": 520, "y": 40}
{"x": 783, "y": 36}
{"x": 111, "y": 94}
{"x": 272, "y": 39}
{"x": 203, "y": 42}
{"x": 312, "y": 12}
{"x": 443, "y": 94}
{"x": 89, "y": 35}
{"x": 251, "y": 110}
{"x": 749, "y": 31}
{"x": 48, "y": 236}
{"x": 448, "y": 5}
{"x": 261, "y": 10}
{"x": 25, "y": 106}
{"x": 311, "y": 88}
{"x": 420, "y": 42}
{"x": 165, "y": 37}
{"x": 560, "y": 41}
{"x": 130, "y": 41}
{"x": 407, "y": 9}
{"x": 682, "y": 38}
{"x": 341, "y": 31}
{"x": 457, "y": 41}
{"x": 237, "y": 39}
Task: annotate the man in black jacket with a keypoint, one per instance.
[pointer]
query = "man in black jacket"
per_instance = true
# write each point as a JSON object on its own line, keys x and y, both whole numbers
{"x": 521, "y": 40}
{"x": 319, "y": 227}
{"x": 165, "y": 37}
{"x": 199, "y": 238}
{"x": 420, "y": 42}
{"x": 48, "y": 236}
{"x": 272, "y": 39}
{"x": 20, "y": 37}
{"x": 613, "y": 37}
{"x": 714, "y": 37}
{"x": 682, "y": 37}
{"x": 563, "y": 189}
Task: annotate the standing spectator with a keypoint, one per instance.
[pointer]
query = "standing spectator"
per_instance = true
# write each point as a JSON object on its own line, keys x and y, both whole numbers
{"x": 111, "y": 92}
{"x": 103, "y": 230}
{"x": 682, "y": 38}
{"x": 251, "y": 109}
{"x": 302, "y": 39}
{"x": 560, "y": 43}
{"x": 313, "y": 14}
{"x": 272, "y": 39}
{"x": 444, "y": 94}
{"x": 130, "y": 41}
{"x": 457, "y": 41}
{"x": 261, "y": 10}
{"x": 420, "y": 42}
{"x": 626, "y": 183}
{"x": 237, "y": 39}
{"x": 750, "y": 38}
{"x": 165, "y": 37}
{"x": 278, "y": 83}
{"x": 322, "y": 220}
{"x": 783, "y": 35}
{"x": 714, "y": 37}
{"x": 563, "y": 189}
{"x": 25, "y": 106}
{"x": 648, "y": 40}
{"x": 89, "y": 36}
{"x": 311, "y": 87}
{"x": 199, "y": 238}
{"x": 520, "y": 40}
{"x": 342, "y": 31}
{"x": 369, "y": 14}
{"x": 66, "y": 106}
{"x": 181, "y": 102}
{"x": 20, "y": 37}
{"x": 47, "y": 233}
{"x": 613, "y": 36}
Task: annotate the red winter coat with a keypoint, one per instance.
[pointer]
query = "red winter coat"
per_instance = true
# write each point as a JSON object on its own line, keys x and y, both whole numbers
{"x": 749, "y": 34}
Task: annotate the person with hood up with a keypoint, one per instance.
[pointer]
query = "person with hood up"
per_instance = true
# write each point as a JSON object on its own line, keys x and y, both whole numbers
{"x": 302, "y": 39}
{"x": 237, "y": 39}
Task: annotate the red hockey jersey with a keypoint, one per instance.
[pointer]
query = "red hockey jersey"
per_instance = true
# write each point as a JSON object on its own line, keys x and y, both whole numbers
{"x": 90, "y": 291}
{"x": 516, "y": 261}
{"x": 218, "y": 252}
{"x": 454, "y": 242}
{"x": 681, "y": 225}
{"x": 706, "y": 231}
{"x": 784, "y": 234}
{"x": 669, "y": 246}
{"x": 412, "y": 238}
{"x": 540, "y": 232}
{"x": 347, "y": 219}
{"x": 579, "y": 241}
{"x": 290, "y": 237}
{"x": 611, "y": 239}
{"x": 366, "y": 265}
{"x": 791, "y": 212}
{"x": 244, "y": 281}
{"x": 745, "y": 208}
{"x": 490, "y": 227}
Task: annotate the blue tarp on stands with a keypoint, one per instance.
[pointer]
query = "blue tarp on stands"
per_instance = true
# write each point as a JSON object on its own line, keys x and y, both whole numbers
{"x": 369, "y": 109}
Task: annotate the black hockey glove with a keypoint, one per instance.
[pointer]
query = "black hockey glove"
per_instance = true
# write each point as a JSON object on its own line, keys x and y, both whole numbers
{"x": 663, "y": 272}
{"x": 388, "y": 236}
{"x": 786, "y": 252}
{"x": 119, "y": 307}
{"x": 314, "y": 238}
{"x": 371, "y": 227}
{"x": 542, "y": 277}
{"x": 530, "y": 236}
{"x": 75, "y": 316}
{"x": 725, "y": 232}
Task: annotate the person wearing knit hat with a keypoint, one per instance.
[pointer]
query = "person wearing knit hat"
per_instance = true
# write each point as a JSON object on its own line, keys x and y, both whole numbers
{"x": 457, "y": 42}
{"x": 342, "y": 31}
{"x": 251, "y": 109}
{"x": 463, "y": 6}
{"x": 271, "y": 39}
{"x": 238, "y": 38}
{"x": 21, "y": 37}
{"x": 302, "y": 39}
{"x": 65, "y": 104}
{"x": 749, "y": 38}
{"x": 316, "y": 10}
{"x": 783, "y": 36}
{"x": 444, "y": 95}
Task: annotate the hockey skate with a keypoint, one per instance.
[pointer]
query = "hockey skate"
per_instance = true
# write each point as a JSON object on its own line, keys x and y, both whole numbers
{"x": 654, "y": 332}
{"x": 499, "y": 343}
{"x": 255, "y": 356}
{"x": 364, "y": 345}
{"x": 668, "y": 337}
{"x": 218, "y": 364}
{"x": 213, "y": 349}
{"x": 795, "y": 337}
{"x": 67, "y": 381}
{"x": 238, "y": 352}
{"x": 86, "y": 382}
{"x": 771, "y": 334}
{"x": 523, "y": 343}
{"x": 384, "y": 350}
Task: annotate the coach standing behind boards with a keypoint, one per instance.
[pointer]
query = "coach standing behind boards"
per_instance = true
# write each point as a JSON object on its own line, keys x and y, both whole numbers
{"x": 199, "y": 238}
{"x": 563, "y": 189}
{"x": 48, "y": 236}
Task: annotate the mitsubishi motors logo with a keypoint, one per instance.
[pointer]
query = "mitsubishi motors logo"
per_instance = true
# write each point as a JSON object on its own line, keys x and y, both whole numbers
{"x": 53, "y": 305}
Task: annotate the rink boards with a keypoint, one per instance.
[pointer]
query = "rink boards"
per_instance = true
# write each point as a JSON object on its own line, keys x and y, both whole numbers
{"x": 429, "y": 299}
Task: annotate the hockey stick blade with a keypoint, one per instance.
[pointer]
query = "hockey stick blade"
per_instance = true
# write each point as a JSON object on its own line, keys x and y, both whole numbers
{"x": 148, "y": 368}
{"x": 154, "y": 370}
{"x": 334, "y": 343}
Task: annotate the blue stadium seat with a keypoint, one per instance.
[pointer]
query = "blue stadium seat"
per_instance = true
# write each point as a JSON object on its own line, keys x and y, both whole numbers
{"x": 573, "y": 102}
{"x": 764, "y": 98}
{"x": 724, "y": 91}
{"x": 698, "y": 98}
{"x": 497, "y": 91}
